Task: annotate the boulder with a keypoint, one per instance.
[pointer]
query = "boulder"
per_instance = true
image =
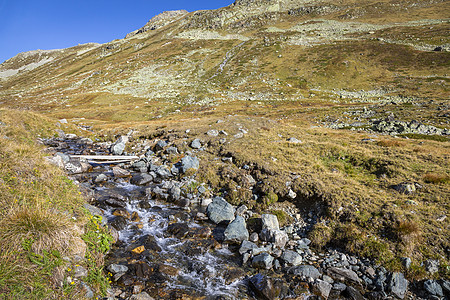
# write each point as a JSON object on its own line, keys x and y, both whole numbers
{"x": 270, "y": 222}
{"x": 141, "y": 179}
{"x": 322, "y": 288}
{"x": 236, "y": 231}
{"x": 265, "y": 288}
{"x": 220, "y": 210}
{"x": 291, "y": 257}
{"x": 398, "y": 285}
{"x": 262, "y": 261}
{"x": 305, "y": 271}
{"x": 247, "y": 246}
{"x": 433, "y": 288}
{"x": 115, "y": 268}
{"x": 119, "y": 146}
{"x": 344, "y": 275}
{"x": 189, "y": 162}
{"x": 196, "y": 144}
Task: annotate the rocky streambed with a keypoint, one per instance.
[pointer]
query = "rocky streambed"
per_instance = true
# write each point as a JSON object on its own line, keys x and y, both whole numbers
{"x": 174, "y": 239}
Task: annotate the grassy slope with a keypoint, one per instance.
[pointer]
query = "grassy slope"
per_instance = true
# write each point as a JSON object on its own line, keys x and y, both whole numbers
{"x": 42, "y": 219}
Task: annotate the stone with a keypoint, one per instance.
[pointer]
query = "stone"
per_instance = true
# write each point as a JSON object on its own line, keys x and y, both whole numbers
{"x": 138, "y": 250}
{"x": 445, "y": 284}
{"x": 189, "y": 162}
{"x": 270, "y": 221}
{"x": 262, "y": 261}
{"x": 213, "y": 133}
{"x": 406, "y": 262}
{"x": 119, "y": 146}
{"x": 141, "y": 179}
{"x": 291, "y": 194}
{"x": 88, "y": 293}
{"x": 113, "y": 202}
{"x": 241, "y": 210}
{"x": 174, "y": 193}
{"x": 220, "y": 210}
{"x": 405, "y": 188}
{"x": 95, "y": 211}
{"x": 196, "y": 144}
{"x": 141, "y": 296}
{"x": 100, "y": 178}
{"x": 431, "y": 266}
{"x": 171, "y": 150}
{"x": 75, "y": 166}
{"x": 294, "y": 140}
{"x": 339, "y": 286}
{"x": 278, "y": 237}
{"x": 247, "y": 246}
{"x": 264, "y": 287}
{"x": 160, "y": 145}
{"x": 115, "y": 268}
{"x": 433, "y": 288}
{"x": 306, "y": 271}
{"x": 120, "y": 173}
{"x": 353, "y": 294}
{"x": 254, "y": 237}
{"x": 344, "y": 274}
{"x": 79, "y": 271}
{"x": 322, "y": 288}
{"x": 236, "y": 231}
{"x": 119, "y": 223}
{"x": 398, "y": 285}
{"x": 291, "y": 257}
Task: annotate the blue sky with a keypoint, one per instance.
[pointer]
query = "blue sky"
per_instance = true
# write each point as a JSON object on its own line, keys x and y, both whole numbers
{"x": 52, "y": 24}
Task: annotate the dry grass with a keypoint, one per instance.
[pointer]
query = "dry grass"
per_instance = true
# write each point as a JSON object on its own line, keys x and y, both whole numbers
{"x": 436, "y": 178}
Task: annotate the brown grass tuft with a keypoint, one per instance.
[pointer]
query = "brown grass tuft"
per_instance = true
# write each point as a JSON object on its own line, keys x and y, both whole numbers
{"x": 436, "y": 178}
{"x": 391, "y": 143}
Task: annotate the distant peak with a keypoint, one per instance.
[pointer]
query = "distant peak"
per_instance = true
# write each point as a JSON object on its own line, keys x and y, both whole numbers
{"x": 160, "y": 20}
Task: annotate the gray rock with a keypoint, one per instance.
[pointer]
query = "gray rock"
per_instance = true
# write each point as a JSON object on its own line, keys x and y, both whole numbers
{"x": 291, "y": 194}
{"x": 236, "y": 231}
{"x": 100, "y": 178}
{"x": 339, "y": 286}
{"x": 322, "y": 288}
{"x": 247, "y": 246}
{"x": 270, "y": 222}
{"x": 213, "y": 132}
{"x": 306, "y": 271}
{"x": 220, "y": 210}
{"x": 405, "y": 188}
{"x": 406, "y": 261}
{"x": 88, "y": 293}
{"x": 174, "y": 193}
{"x": 303, "y": 243}
{"x": 262, "y": 261}
{"x": 254, "y": 237}
{"x": 344, "y": 275}
{"x": 433, "y": 288}
{"x": 241, "y": 210}
{"x": 294, "y": 140}
{"x": 139, "y": 165}
{"x": 189, "y": 162}
{"x": 445, "y": 284}
{"x": 141, "y": 179}
{"x": 278, "y": 237}
{"x": 259, "y": 250}
{"x": 172, "y": 150}
{"x": 141, "y": 296}
{"x": 160, "y": 145}
{"x": 398, "y": 285}
{"x": 291, "y": 257}
{"x": 353, "y": 294}
{"x": 79, "y": 272}
{"x": 265, "y": 287}
{"x": 196, "y": 144}
{"x": 163, "y": 172}
{"x": 95, "y": 211}
{"x": 115, "y": 268}
{"x": 75, "y": 166}
{"x": 431, "y": 266}
{"x": 119, "y": 146}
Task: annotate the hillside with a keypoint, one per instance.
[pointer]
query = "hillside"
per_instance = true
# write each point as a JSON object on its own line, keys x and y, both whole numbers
{"x": 337, "y": 110}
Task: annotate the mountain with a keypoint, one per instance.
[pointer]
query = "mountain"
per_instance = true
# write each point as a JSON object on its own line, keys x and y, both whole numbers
{"x": 338, "y": 109}
{"x": 250, "y": 50}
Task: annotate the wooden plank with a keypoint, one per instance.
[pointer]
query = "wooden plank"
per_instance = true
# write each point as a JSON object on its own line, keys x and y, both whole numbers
{"x": 107, "y": 161}
{"x": 106, "y": 157}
